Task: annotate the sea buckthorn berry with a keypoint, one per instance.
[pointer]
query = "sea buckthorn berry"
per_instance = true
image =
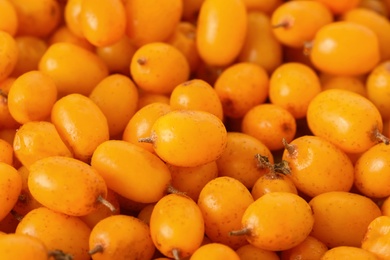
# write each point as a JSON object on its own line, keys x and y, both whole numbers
{"x": 80, "y": 123}
{"x": 153, "y": 64}
{"x": 374, "y": 21}
{"x": 182, "y": 217}
{"x": 261, "y": 46}
{"x": 197, "y": 137}
{"x": 310, "y": 248}
{"x": 117, "y": 97}
{"x": 104, "y": 23}
{"x": 120, "y": 163}
{"x": 121, "y": 237}
{"x": 6, "y": 119}
{"x": 378, "y": 88}
{"x": 183, "y": 38}
{"x": 165, "y": 14}
{"x": 63, "y": 59}
{"x": 20, "y": 246}
{"x": 6, "y": 152}
{"x": 8, "y": 54}
{"x": 118, "y": 56}
{"x": 341, "y": 218}
{"x": 52, "y": 182}
{"x": 217, "y": 200}
{"x": 372, "y": 172}
{"x": 296, "y": 22}
{"x": 346, "y": 119}
{"x": 9, "y": 19}
{"x": 331, "y": 50}
{"x": 272, "y": 182}
{"x": 341, "y": 6}
{"x": 376, "y": 238}
{"x": 238, "y": 159}
{"x": 10, "y": 188}
{"x": 241, "y": 87}
{"x": 38, "y": 17}
{"x": 64, "y": 34}
{"x": 196, "y": 94}
{"x": 30, "y": 51}
{"x": 145, "y": 213}
{"x": 72, "y": 12}
{"x": 191, "y": 180}
{"x": 26, "y": 202}
{"x": 57, "y": 231}
{"x": 250, "y": 252}
{"x": 140, "y": 124}
{"x": 32, "y": 97}
{"x": 266, "y": 6}
{"x": 215, "y": 251}
{"x": 318, "y": 166}
{"x": 221, "y": 30}
{"x": 269, "y": 123}
{"x": 292, "y": 86}
{"x": 348, "y": 252}
{"x": 36, "y": 140}
{"x": 288, "y": 221}
{"x": 350, "y": 83}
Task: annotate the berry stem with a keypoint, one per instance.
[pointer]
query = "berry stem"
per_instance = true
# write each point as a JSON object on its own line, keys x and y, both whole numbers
{"x": 106, "y": 203}
{"x": 96, "y": 249}
{"x": 59, "y": 255}
{"x": 241, "y": 232}
{"x": 291, "y": 149}
{"x": 380, "y": 137}
{"x": 176, "y": 254}
{"x": 146, "y": 140}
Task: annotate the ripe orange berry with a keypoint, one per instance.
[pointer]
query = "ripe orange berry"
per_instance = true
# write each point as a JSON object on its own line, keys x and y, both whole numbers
{"x": 63, "y": 59}
{"x": 37, "y": 17}
{"x": 288, "y": 221}
{"x": 372, "y": 172}
{"x": 217, "y": 200}
{"x": 57, "y": 231}
{"x": 342, "y": 218}
{"x": 292, "y": 86}
{"x": 152, "y": 65}
{"x": 32, "y": 97}
{"x": 36, "y": 140}
{"x": 117, "y": 97}
{"x": 80, "y": 123}
{"x": 296, "y": 22}
{"x": 310, "y": 248}
{"x": 104, "y": 23}
{"x": 346, "y": 119}
{"x": 197, "y": 137}
{"x": 8, "y": 54}
{"x": 9, "y": 19}
{"x": 113, "y": 159}
{"x": 261, "y": 46}
{"x": 335, "y": 49}
{"x": 351, "y": 83}
{"x": 182, "y": 217}
{"x": 269, "y": 123}
{"x": 64, "y": 34}
{"x": 240, "y": 87}
{"x": 348, "y": 252}
{"x": 221, "y": 29}
{"x": 376, "y": 238}
{"x": 72, "y": 17}
{"x": 6, "y": 152}
{"x": 318, "y": 166}
{"x": 250, "y": 252}
{"x": 238, "y": 159}
{"x": 19, "y": 246}
{"x": 196, "y": 94}
{"x": 272, "y": 182}
{"x": 341, "y": 6}
{"x": 266, "y": 6}
{"x": 378, "y": 88}
{"x": 165, "y": 14}
{"x": 120, "y": 237}
{"x": 10, "y": 188}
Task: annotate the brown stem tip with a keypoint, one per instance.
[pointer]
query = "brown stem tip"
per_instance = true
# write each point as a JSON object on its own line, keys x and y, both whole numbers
{"x": 59, "y": 255}
{"x": 241, "y": 232}
{"x": 146, "y": 140}
{"x": 291, "y": 149}
{"x": 378, "y": 136}
{"x": 176, "y": 254}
